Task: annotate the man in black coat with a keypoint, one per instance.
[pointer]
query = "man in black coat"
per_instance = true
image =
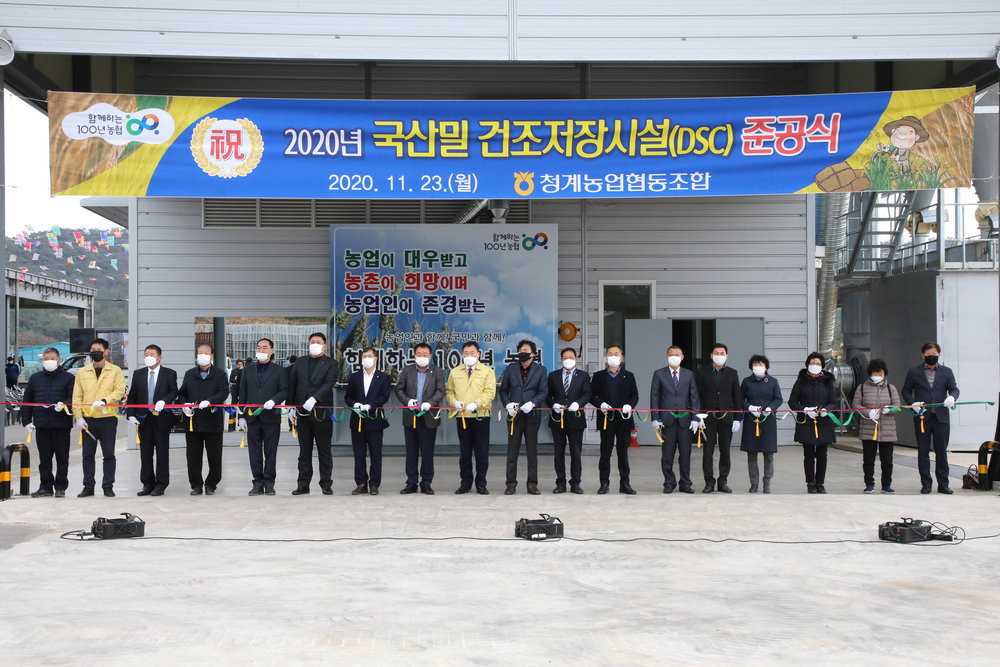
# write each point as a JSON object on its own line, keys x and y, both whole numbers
{"x": 614, "y": 391}
{"x": 931, "y": 383}
{"x": 719, "y": 394}
{"x": 264, "y": 384}
{"x": 204, "y": 386}
{"x": 569, "y": 390}
{"x": 153, "y": 385}
{"x": 420, "y": 387}
{"x": 523, "y": 386}
{"x": 310, "y": 383}
{"x": 51, "y": 426}
{"x": 367, "y": 391}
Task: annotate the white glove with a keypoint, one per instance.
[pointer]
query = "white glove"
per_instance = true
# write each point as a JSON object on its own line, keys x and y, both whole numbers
{"x": 309, "y": 404}
{"x": 357, "y": 406}
{"x": 59, "y": 407}
{"x": 269, "y": 405}
{"x": 886, "y": 410}
{"x": 605, "y": 407}
{"x": 626, "y": 411}
{"x": 558, "y": 408}
{"x": 919, "y": 405}
{"x": 767, "y": 411}
{"x": 574, "y": 406}
{"x": 81, "y": 423}
{"x": 30, "y": 427}
{"x": 657, "y": 424}
{"x": 188, "y": 409}
{"x": 471, "y": 407}
{"x": 98, "y": 404}
{"x": 754, "y": 410}
{"x": 694, "y": 425}
{"x": 949, "y": 402}
{"x": 511, "y": 409}
{"x": 737, "y": 425}
{"x": 873, "y": 414}
{"x": 527, "y": 407}
{"x": 159, "y": 406}
{"x": 459, "y": 405}
{"x": 241, "y": 424}
{"x": 133, "y": 421}
{"x": 293, "y": 415}
{"x": 822, "y": 412}
{"x": 204, "y": 404}
{"x": 411, "y": 404}
{"x": 425, "y": 406}
{"x": 366, "y": 407}
{"x": 811, "y": 413}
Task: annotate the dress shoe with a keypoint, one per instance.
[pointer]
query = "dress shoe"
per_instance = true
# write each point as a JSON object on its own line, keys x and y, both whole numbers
{"x": 109, "y": 492}
{"x": 945, "y": 489}
{"x": 575, "y": 488}
{"x": 687, "y": 489}
{"x": 327, "y": 490}
{"x": 209, "y": 490}
{"x": 810, "y": 488}
{"x": 426, "y": 488}
{"x": 820, "y": 488}
{"x": 145, "y": 491}
{"x": 86, "y": 493}
{"x": 724, "y": 489}
{"x": 256, "y": 491}
{"x": 560, "y": 488}
{"x": 301, "y": 491}
{"x": 509, "y": 490}
{"x": 767, "y": 486}
{"x": 269, "y": 491}
{"x": 626, "y": 488}
{"x": 709, "y": 487}
{"x": 668, "y": 489}
{"x": 462, "y": 489}
{"x": 196, "y": 491}
{"x": 158, "y": 491}
{"x": 753, "y": 488}
{"x": 482, "y": 490}
{"x": 362, "y": 488}
{"x": 409, "y": 488}
{"x": 603, "y": 488}
{"x": 925, "y": 489}
{"x": 41, "y": 493}
{"x": 533, "y": 490}
{"x": 60, "y": 493}
{"x": 373, "y": 490}
{"x": 885, "y": 489}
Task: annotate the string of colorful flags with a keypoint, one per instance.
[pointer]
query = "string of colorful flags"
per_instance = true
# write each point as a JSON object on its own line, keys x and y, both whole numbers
{"x": 68, "y": 251}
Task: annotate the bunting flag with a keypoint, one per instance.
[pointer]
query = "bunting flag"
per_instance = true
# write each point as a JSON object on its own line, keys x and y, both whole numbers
{"x": 34, "y": 258}
{"x": 12, "y": 258}
{"x": 114, "y": 263}
{"x": 93, "y": 265}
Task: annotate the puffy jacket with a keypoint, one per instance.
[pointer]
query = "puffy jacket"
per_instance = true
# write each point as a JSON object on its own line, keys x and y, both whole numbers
{"x": 818, "y": 392}
{"x": 869, "y": 396}
{"x": 109, "y": 387}
{"x": 46, "y": 387}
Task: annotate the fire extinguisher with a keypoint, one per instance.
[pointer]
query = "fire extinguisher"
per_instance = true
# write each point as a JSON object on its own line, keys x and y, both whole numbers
{"x": 634, "y": 440}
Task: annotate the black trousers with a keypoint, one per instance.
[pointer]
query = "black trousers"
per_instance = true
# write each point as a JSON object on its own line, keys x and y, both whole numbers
{"x": 528, "y": 428}
{"x": 676, "y": 441}
{"x": 419, "y": 450}
{"x": 717, "y": 431}
{"x": 560, "y": 437}
{"x": 101, "y": 430}
{"x": 935, "y": 433}
{"x": 318, "y": 432}
{"x": 367, "y": 441}
{"x": 154, "y": 441}
{"x": 814, "y": 463}
{"x": 884, "y": 450}
{"x": 262, "y": 446}
{"x": 211, "y": 444}
{"x": 615, "y": 437}
{"x": 474, "y": 437}
{"x": 53, "y": 441}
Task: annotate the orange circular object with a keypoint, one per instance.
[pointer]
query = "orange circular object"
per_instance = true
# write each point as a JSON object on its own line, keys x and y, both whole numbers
{"x": 567, "y": 331}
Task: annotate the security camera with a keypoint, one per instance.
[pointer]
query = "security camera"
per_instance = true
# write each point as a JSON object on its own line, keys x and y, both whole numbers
{"x": 6, "y": 49}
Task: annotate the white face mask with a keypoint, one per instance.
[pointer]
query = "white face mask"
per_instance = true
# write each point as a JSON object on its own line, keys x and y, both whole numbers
{"x": 150, "y": 361}
{"x": 719, "y": 360}
{"x": 368, "y": 362}
{"x": 316, "y": 349}
{"x": 674, "y": 361}
{"x": 759, "y": 371}
{"x": 815, "y": 369}
{"x": 50, "y": 364}
{"x": 262, "y": 357}
{"x": 204, "y": 359}
{"x": 423, "y": 362}
{"x": 569, "y": 364}
{"x": 876, "y": 379}
{"x": 614, "y": 361}
{"x": 470, "y": 361}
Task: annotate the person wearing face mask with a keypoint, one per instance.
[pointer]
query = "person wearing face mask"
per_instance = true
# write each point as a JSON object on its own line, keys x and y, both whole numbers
{"x": 674, "y": 391}
{"x": 813, "y": 395}
{"x": 470, "y": 389}
{"x": 522, "y": 387}
{"x": 873, "y": 399}
{"x": 719, "y": 395}
{"x": 264, "y": 383}
{"x": 931, "y": 383}
{"x": 614, "y": 392}
{"x": 97, "y": 391}
{"x": 420, "y": 388}
{"x": 568, "y": 391}
{"x": 367, "y": 391}
{"x": 51, "y": 425}
{"x": 310, "y": 383}
{"x": 204, "y": 386}
{"x": 761, "y": 397}
{"x": 153, "y": 385}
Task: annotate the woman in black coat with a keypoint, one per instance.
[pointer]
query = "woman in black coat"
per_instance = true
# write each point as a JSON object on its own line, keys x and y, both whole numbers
{"x": 814, "y": 394}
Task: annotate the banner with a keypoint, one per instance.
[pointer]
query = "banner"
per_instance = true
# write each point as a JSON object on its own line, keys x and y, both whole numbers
{"x": 136, "y": 145}
{"x": 393, "y": 286}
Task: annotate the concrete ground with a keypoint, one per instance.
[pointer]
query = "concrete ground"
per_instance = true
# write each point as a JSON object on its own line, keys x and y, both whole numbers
{"x": 368, "y": 596}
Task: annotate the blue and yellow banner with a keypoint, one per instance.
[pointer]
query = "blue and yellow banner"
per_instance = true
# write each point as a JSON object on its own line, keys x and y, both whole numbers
{"x": 134, "y": 145}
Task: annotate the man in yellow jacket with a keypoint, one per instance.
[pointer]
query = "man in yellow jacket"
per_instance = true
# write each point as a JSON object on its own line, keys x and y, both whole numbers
{"x": 99, "y": 388}
{"x": 471, "y": 388}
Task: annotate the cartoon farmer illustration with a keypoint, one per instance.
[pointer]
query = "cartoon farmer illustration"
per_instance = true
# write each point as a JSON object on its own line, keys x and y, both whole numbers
{"x": 904, "y": 134}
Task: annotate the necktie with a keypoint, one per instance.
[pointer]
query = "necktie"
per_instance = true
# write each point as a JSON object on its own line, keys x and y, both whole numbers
{"x": 676, "y": 380}
{"x": 469, "y": 368}
{"x": 152, "y": 385}
{"x": 566, "y": 378}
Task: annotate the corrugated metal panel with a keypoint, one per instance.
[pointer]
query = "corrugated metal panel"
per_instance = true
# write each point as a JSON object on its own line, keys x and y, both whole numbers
{"x": 321, "y": 212}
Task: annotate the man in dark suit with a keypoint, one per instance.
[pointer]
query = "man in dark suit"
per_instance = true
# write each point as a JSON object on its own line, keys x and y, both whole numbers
{"x": 367, "y": 391}
{"x": 263, "y": 383}
{"x": 931, "y": 383}
{"x": 674, "y": 390}
{"x": 234, "y": 387}
{"x": 569, "y": 390}
{"x": 204, "y": 386}
{"x": 523, "y": 386}
{"x": 719, "y": 392}
{"x": 615, "y": 392}
{"x": 153, "y": 385}
{"x": 310, "y": 383}
{"x": 53, "y": 386}
{"x": 420, "y": 387}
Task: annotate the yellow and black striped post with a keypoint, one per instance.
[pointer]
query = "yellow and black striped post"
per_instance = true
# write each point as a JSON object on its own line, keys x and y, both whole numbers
{"x": 5, "y": 459}
{"x": 985, "y": 449}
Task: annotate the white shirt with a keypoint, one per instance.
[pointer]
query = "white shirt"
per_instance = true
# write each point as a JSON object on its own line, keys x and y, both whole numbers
{"x": 368, "y": 380}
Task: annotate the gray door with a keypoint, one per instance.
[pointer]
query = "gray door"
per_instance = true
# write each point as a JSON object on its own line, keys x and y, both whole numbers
{"x": 744, "y": 337}
{"x": 646, "y": 342}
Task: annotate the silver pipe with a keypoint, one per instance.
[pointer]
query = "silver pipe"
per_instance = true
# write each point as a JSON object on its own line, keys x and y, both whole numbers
{"x": 833, "y": 209}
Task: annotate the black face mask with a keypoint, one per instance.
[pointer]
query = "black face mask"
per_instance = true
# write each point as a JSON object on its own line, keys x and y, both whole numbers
{"x": 97, "y": 355}
{"x": 931, "y": 359}
{"x": 523, "y": 356}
